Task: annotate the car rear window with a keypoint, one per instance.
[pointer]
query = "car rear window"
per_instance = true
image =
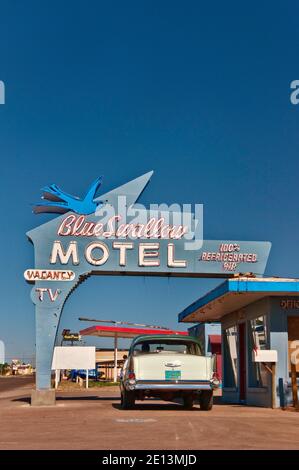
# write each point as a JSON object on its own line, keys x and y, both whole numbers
{"x": 167, "y": 347}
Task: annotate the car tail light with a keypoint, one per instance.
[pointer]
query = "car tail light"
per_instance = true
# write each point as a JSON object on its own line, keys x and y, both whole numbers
{"x": 131, "y": 376}
{"x": 216, "y": 379}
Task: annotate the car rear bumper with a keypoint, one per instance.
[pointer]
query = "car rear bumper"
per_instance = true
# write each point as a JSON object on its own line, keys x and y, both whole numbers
{"x": 169, "y": 385}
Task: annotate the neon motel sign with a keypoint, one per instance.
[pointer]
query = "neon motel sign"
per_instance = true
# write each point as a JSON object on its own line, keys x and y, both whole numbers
{"x": 98, "y": 235}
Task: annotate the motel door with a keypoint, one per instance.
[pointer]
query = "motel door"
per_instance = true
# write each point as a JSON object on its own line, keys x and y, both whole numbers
{"x": 242, "y": 362}
{"x": 293, "y": 335}
{"x": 216, "y": 349}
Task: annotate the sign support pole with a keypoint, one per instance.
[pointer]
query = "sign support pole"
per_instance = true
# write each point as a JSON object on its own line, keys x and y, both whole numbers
{"x": 274, "y": 385}
{"x": 115, "y": 358}
{"x": 294, "y": 386}
{"x": 57, "y": 377}
{"x": 272, "y": 371}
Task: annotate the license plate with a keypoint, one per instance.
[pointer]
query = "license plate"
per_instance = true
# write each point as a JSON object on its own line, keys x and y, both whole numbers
{"x": 172, "y": 375}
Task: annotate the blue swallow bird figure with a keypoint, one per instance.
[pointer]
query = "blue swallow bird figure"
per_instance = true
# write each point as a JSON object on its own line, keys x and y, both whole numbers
{"x": 58, "y": 201}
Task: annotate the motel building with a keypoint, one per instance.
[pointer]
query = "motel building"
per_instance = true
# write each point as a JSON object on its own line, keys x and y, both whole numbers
{"x": 260, "y": 333}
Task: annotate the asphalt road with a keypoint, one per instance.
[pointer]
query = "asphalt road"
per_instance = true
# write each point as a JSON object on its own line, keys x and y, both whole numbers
{"x": 93, "y": 419}
{"x": 14, "y": 382}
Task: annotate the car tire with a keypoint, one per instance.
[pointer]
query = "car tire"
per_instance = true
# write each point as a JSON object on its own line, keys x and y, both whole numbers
{"x": 188, "y": 402}
{"x": 206, "y": 400}
{"x": 127, "y": 400}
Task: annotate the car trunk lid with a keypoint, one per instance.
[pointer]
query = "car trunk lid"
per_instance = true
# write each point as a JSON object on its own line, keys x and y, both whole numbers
{"x": 169, "y": 367}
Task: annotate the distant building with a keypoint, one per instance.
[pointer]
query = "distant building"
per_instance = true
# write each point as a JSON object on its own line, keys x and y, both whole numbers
{"x": 107, "y": 354}
{"x": 105, "y": 361}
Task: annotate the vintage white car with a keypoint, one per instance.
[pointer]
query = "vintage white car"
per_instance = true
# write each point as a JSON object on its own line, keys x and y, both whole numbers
{"x": 168, "y": 367}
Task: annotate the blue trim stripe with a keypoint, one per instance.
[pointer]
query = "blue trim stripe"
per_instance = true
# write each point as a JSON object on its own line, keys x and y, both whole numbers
{"x": 241, "y": 285}
{"x": 219, "y": 291}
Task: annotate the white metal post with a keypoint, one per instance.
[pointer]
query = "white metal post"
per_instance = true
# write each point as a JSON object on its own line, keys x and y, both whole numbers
{"x": 115, "y": 358}
{"x": 57, "y": 377}
{"x": 87, "y": 378}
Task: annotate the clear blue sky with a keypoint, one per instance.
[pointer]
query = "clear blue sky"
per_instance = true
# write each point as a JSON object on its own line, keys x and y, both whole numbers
{"x": 197, "y": 92}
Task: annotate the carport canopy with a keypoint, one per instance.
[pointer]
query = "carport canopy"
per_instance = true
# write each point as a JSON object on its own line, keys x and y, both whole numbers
{"x": 234, "y": 294}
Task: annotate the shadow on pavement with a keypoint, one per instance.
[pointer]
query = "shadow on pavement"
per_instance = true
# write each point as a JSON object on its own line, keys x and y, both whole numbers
{"x": 72, "y": 398}
{"x": 150, "y": 406}
{"x": 88, "y": 398}
{"x": 22, "y": 400}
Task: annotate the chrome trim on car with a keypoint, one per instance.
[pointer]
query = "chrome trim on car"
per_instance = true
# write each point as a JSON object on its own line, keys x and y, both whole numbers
{"x": 172, "y": 385}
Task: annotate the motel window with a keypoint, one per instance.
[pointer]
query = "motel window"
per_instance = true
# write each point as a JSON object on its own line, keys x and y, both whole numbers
{"x": 230, "y": 357}
{"x": 257, "y": 339}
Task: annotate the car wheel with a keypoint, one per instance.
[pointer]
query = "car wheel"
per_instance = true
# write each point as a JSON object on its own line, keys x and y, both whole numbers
{"x": 188, "y": 402}
{"x": 127, "y": 399}
{"x": 206, "y": 400}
